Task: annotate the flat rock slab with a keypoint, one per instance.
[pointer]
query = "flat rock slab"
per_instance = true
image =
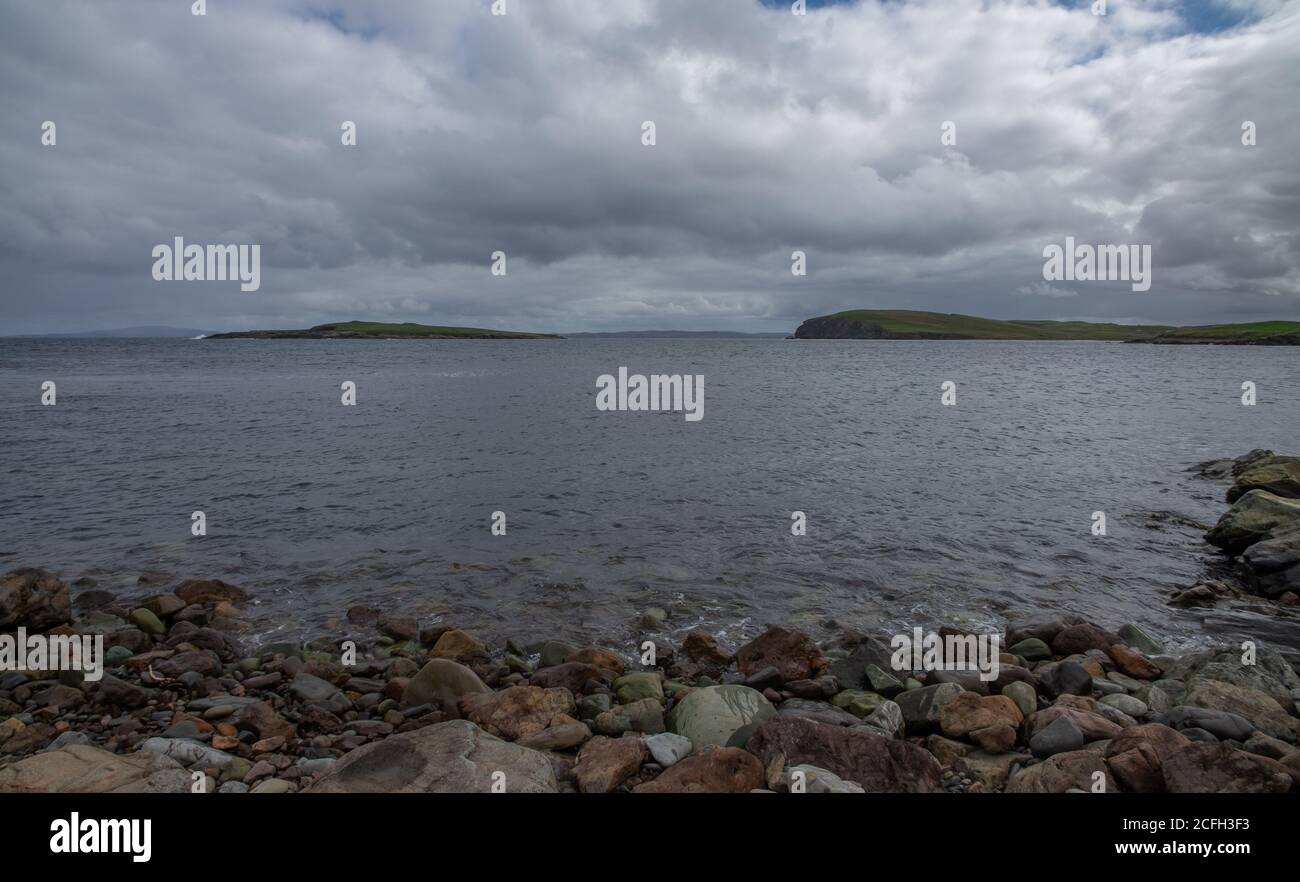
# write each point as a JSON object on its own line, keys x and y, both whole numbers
{"x": 877, "y": 763}
{"x": 451, "y": 757}
{"x": 81, "y": 768}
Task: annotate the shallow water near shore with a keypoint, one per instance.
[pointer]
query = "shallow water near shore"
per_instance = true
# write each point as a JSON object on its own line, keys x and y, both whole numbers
{"x": 918, "y": 514}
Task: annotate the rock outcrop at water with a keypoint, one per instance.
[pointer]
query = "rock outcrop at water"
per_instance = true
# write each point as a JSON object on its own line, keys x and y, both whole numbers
{"x": 1260, "y": 533}
{"x": 848, "y": 327}
{"x": 1075, "y": 706}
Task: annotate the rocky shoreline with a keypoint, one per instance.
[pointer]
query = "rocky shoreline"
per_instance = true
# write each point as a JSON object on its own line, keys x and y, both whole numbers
{"x": 184, "y": 706}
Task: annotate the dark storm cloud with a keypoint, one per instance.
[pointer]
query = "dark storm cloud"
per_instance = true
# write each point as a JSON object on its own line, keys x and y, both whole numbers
{"x": 522, "y": 134}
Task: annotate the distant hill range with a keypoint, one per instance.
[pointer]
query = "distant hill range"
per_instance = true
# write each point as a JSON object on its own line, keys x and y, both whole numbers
{"x": 142, "y": 331}
{"x": 384, "y": 331}
{"x": 906, "y": 324}
{"x": 674, "y": 334}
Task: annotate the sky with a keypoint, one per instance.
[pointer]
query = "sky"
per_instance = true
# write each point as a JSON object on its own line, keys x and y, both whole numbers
{"x": 523, "y": 133}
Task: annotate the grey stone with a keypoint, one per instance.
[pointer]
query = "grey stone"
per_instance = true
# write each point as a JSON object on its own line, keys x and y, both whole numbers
{"x": 720, "y": 716}
{"x": 1223, "y": 725}
{"x": 815, "y": 780}
{"x": 1124, "y": 703}
{"x": 668, "y": 748}
{"x": 189, "y": 753}
{"x": 314, "y": 691}
{"x": 1024, "y": 695}
{"x": 920, "y": 707}
{"x": 1065, "y": 678}
{"x": 1059, "y": 736}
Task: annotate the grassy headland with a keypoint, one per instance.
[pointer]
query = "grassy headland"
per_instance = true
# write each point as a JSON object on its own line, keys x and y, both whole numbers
{"x": 906, "y": 324}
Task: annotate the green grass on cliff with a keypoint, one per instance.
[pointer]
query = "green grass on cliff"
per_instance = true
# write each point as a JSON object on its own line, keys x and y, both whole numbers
{"x": 907, "y": 321}
{"x": 411, "y": 329}
{"x": 1245, "y": 331}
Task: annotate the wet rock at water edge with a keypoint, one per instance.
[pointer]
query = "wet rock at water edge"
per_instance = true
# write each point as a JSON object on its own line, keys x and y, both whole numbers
{"x": 33, "y": 599}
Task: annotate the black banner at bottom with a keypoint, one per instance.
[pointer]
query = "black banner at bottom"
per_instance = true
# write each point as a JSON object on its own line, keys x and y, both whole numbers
{"x": 335, "y": 832}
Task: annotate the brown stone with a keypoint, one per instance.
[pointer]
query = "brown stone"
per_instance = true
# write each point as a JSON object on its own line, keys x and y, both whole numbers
{"x": 792, "y": 652}
{"x": 33, "y": 599}
{"x": 1137, "y": 754}
{"x": 269, "y": 745}
{"x": 600, "y": 658}
{"x": 1219, "y": 768}
{"x": 1072, "y": 770}
{"x": 1078, "y": 639}
{"x": 969, "y": 711}
{"x": 701, "y": 646}
{"x": 994, "y": 739}
{"x": 724, "y": 770}
{"x": 1094, "y": 727}
{"x": 1133, "y": 663}
{"x": 516, "y": 712}
{"x": 81, "y": 768}
{"x": 605, "y": 763}
{"x": 456, "y": 644}
{"x": 879, "y": 764}
{"x": 199, "y": 661}
{"x": 572, "y": 676}
{"x": 564, "y": 733}
{"x": 261, "y": 719}
{"x": 210, "y": 591}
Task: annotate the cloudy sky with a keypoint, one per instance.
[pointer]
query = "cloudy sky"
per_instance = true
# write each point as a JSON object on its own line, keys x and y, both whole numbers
{"x": 523, "y": 133}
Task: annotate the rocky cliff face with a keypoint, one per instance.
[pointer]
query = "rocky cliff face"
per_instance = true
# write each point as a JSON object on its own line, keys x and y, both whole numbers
{"x": 832, "y": 327}
{"x": 840, "y": 327}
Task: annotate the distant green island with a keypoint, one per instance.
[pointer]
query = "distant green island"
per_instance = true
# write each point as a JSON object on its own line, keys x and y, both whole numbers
{"x": 907, "y": 324}
{"x": 384, "y": 331}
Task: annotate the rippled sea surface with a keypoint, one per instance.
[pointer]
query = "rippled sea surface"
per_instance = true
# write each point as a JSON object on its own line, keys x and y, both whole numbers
{"x": 918, "y": 514}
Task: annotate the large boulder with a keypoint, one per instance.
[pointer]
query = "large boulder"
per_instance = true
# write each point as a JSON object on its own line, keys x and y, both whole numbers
{"x": 720, "y": 716}
{"x": 81, "y": 768}
{"x": 444, "y": 682}
{"x": 879, "y": 764}
{"x": 968, "y": 712}
{"x": 605, "y": 763}
{"x": 1076, "y": 770}
{"x": 792, "y": 652}
{"x": 1275, "y": 563}
{"x": 451, "y": 757}
{"x": 1277, "y": 475}
{"x": 1136, "y": 756}
{"x": 724, "y": 770}
{"x": 1254, "y": 705}
{"x": 1256, "y": 516}
{"x": 1270, "y": 672}
{"x": 1220, "y": 768}
{"x": 33, "y": 599}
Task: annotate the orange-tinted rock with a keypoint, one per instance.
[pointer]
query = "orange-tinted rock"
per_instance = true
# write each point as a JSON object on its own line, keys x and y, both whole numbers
{"x": 724, "y": 770}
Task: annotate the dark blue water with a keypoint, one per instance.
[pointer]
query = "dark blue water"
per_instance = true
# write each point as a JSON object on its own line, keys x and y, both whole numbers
{"x": 917, "y": 513}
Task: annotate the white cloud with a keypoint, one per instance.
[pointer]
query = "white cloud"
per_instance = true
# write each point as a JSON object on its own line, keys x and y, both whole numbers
{"x": 521, "y": 133}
